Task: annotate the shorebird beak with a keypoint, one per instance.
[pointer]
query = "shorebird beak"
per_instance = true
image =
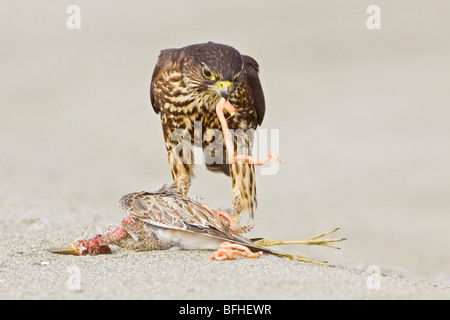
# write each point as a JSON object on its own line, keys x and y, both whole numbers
{"x": 68, "y": 249}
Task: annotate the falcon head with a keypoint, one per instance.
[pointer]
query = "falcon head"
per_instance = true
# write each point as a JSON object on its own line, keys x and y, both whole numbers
{"x": 213, "y": 69}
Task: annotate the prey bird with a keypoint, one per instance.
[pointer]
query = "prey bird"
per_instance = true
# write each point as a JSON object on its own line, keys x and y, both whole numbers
{"x": 187, "y": 85}
{"x": 166, "y": 219}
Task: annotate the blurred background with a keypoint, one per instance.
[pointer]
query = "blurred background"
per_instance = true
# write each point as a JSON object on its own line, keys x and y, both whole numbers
{"x": 363, "y": 118}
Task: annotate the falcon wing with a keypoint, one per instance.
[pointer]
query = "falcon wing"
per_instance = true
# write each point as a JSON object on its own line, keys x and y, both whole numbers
{"x": 251, "y": 69}
{"x": 164, "y": 61}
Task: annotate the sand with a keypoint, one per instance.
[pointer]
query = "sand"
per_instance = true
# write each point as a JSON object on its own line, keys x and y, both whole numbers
{"x": 29, "y": 272}
{"x": 361, "y": 115}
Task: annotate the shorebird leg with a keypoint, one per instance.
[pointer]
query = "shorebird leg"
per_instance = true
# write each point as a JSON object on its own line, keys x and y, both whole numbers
{"x": 316, "y": 240}
{"x": 227, "y": 137}
{"x": 301, "y": 258}
{"x": 231, "y": 251}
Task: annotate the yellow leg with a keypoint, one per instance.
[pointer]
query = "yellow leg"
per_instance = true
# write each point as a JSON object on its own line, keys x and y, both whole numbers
{"x": 316, "y": 240}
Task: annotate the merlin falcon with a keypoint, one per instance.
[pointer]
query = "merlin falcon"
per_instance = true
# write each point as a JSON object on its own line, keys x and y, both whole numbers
{"x": 187, "y": 85}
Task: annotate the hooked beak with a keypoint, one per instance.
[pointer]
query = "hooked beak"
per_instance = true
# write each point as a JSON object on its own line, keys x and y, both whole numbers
{"x": 224, "y": 88}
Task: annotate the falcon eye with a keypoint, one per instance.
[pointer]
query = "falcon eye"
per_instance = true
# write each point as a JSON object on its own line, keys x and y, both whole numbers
{"x": 207, "y": 74}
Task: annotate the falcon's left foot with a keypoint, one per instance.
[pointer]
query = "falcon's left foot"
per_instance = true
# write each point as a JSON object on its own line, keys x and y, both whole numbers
{"x": 231, "y": 251}
{"x": 223, "y": 216}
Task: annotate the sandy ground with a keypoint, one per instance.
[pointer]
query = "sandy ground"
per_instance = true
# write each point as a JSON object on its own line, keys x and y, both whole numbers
{"x": 362, "y": 117}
